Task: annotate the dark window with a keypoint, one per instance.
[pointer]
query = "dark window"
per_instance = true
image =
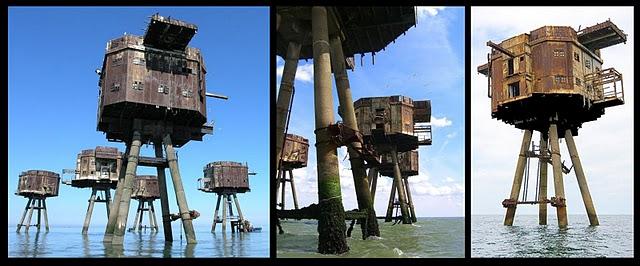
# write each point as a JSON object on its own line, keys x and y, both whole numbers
{"x": 587, "y": 63}
{"x": 558, "y": 52}
{"x": 138, "y": 85}
{"x": 576, "y": 56}
{"x": 514, "y": 89}
{"x": 510, "y": 67}
{"x": 560, "y": 79}
{"x": 578, "y": 82}
{"x": 115, "y": 87}
{"x": 521, "y": 58}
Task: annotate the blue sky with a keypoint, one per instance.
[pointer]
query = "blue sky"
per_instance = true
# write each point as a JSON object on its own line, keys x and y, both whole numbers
{"x": 605, "y": 146}
{"x": 426, "y": 63}
{"x": 53, "y": 92}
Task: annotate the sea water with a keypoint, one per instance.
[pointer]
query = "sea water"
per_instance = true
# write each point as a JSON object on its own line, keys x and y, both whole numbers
{"x": 67, "y": 241}
{"x": 612, "y": 238}
{"x": 428, "y": 237}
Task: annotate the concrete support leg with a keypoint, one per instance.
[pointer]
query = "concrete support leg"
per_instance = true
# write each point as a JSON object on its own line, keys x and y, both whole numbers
{"x": 293, "y": 190}
{"x": 542, "y": 193}
{"x": 125, "y": 198}
{"x": 164, "y": 198}
{"x": 558, "y": 183}
{"x": 582, "y": 180}
{"x": 152, "y": 217}
{"x": 402, "y": 197}
{"x": 31, "y": 207}
{"x": 46, "y": 220}
{"x": 235, "y": 199}
{"x": 392, "y": 197}
{"x": 215, "y": 214}
{"x": 224, "y": 213}
{"x": 39, "y": 214}
{"x": 331, "y": 225}
{"x": 278, "y": 183}
{"x": 87, "y": 218}
{"x": 285, "y": 95}
{"x": 137, "y": 221}
{"x": 24, "y": 213}
{"x": 412, "y": 211}
{"x": 115, "y": 205}
{"x": 360, "y": 180}
{"x": 373, "y": 176}
{"x": 517, "y": 178}
{"x": 283, "y": 195}
{"x": 181, "y": 198}
{"x": 107, "y": 197}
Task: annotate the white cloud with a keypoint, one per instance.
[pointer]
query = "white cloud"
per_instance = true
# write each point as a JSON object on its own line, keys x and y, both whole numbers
{"x": 304, "y": 72}
{"x": 424, "y": 11}
{"x": 452, "y": 135}
{"x": 440, "y": 122}
{"x": 448, "y": 179}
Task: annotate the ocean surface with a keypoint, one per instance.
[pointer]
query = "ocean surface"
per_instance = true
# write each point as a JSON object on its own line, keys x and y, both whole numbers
{"x": 612, "y": 238}
{"x": 429, "y": 237}
{"x": 69, "y": 242}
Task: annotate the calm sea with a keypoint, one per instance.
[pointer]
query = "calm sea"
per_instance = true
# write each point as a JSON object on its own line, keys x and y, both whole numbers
{"x": 69, "y": 242}
{"x": 429, "y": 237}
{"x": 612, "y": 238}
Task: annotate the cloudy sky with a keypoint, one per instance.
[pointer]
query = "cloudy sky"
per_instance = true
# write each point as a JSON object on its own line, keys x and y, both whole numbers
{"x": 426, "y": 63}
{"x": 604, "y": 146}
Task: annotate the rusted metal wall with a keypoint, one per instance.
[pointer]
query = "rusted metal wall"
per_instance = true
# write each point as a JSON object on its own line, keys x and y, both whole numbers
{"x": 547, "y": 60}
{"x": 145, "y": 187}
{"x": 98, "y": 164}
{"x": 295, "y": 152}
{"x": 396, "y": 112}
{"x": 38, "y": 182}
{"x": 227, "y": 175}
{"x": 408, "y": 162}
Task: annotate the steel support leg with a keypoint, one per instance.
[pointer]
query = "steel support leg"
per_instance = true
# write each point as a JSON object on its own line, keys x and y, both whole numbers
{"x": 517, "y": 178}
{"x": 33, "y": 202}
{"x": 224, "y": 213}
{"x": 125, "y": 198}
{"x": 392, "y": 197}
{"x": 44, "y": 209}
{"x": 235, "y": 199}
{"x": 582, "y": 180}
{"x": 411, "y": 208}
{"x": 373, "y": 176}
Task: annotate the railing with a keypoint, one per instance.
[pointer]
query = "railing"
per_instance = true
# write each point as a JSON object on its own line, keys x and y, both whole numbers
{"x": 423, "y": 132}
{"x": 603, "y": 85}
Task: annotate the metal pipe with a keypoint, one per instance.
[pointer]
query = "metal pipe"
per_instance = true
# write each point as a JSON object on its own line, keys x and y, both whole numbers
{"x": 180, "y": 195}
{"x": 33, "y": 202}
{"x": 164, "y": 197}
{"x": 283, "y": 179}
{"x": 402, "y": 197}
{"x": 39, "y": 214}
{"x": 87, "y": 218}
{"x": 214, "y": 95}
{"x": 582, "y": 180}
{"x": 359, "y": 172}
{"x": 137, "y": 222}
{"x": 125, "y": 198}
{"x": 284, "y": 95}
{"x": 542, "y": 217}
{"x": 331, "y": 226}
{"x": 152, "y": 216}
{"x": 517, "y": 177}
{"x": 115, "y": 205}
{"x": 558, "y": 184}
{"x": 107, "y": 196}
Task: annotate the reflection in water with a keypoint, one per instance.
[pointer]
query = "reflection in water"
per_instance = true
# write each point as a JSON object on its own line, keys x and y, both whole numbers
{"x": 69, "y": 242}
